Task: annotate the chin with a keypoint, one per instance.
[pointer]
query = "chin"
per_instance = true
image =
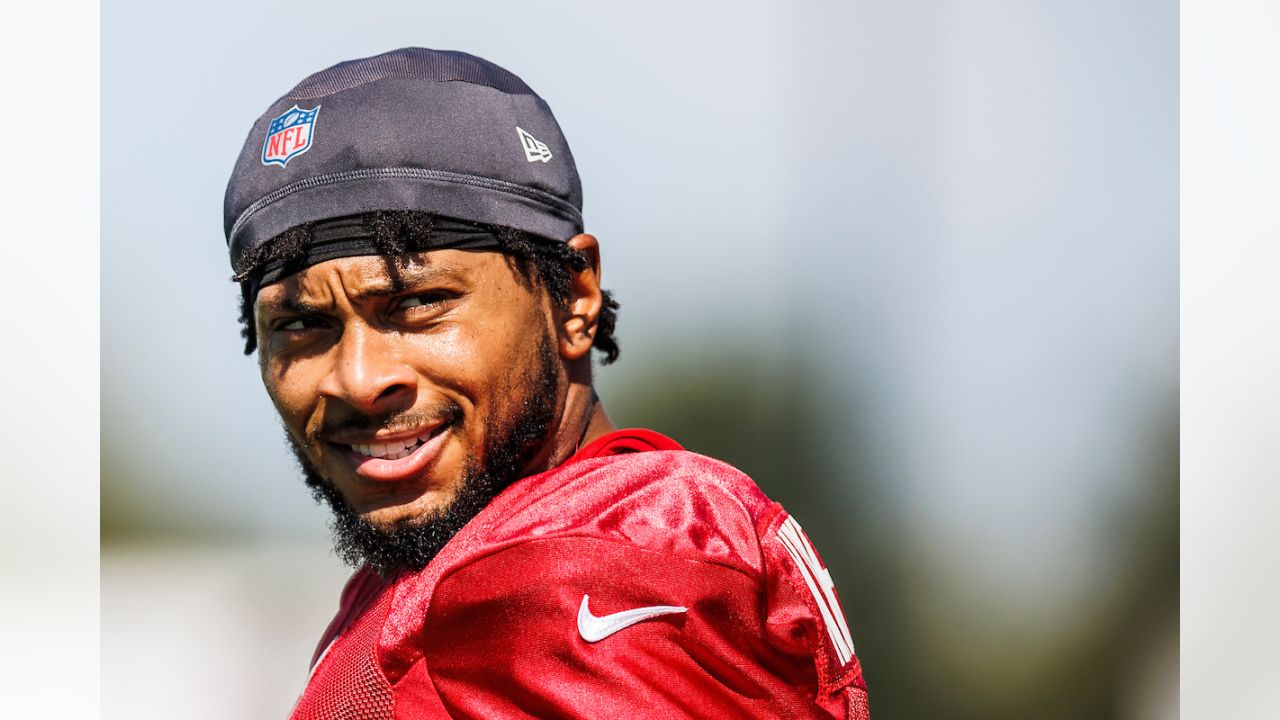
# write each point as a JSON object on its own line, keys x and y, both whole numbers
{"x": 428, "y": 506}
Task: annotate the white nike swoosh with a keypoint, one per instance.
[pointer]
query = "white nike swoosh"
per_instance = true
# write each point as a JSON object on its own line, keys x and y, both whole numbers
{"x": 594, "y": 629}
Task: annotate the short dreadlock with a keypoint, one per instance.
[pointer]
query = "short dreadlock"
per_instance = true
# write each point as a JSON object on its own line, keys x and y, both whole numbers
{"x": 397, "y": 231}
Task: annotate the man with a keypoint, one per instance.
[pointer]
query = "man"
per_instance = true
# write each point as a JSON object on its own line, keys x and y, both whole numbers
{"x": 407, "y": 233}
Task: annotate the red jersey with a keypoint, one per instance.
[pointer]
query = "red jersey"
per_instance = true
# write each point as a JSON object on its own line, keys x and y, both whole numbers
{"x": 635, "y": 580}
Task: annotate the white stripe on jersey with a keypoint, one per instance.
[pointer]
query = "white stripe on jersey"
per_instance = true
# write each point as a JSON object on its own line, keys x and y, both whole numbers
{"x": 820, "y": 585}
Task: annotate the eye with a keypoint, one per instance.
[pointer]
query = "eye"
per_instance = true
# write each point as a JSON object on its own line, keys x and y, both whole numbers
{"x": 430, "y": 299}
{"x": 297, "y": 324}
{"x": 422, "y": 309}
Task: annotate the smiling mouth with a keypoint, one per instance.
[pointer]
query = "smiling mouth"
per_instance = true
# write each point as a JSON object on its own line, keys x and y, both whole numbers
{"x": 395, "y": 449}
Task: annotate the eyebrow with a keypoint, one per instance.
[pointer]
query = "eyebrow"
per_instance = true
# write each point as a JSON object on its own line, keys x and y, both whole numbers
{"x": 289, "y": 305}
{"x": 401, "y": 280}
{"x": 397, "y": 282}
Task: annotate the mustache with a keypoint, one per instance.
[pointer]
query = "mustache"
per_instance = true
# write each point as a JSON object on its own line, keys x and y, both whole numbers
{"x": 326, "y": 424}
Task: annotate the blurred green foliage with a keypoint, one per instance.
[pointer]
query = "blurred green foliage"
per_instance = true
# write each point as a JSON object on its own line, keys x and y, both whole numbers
{"x": 925, "y": 654}
{"x": 957, "y": 653}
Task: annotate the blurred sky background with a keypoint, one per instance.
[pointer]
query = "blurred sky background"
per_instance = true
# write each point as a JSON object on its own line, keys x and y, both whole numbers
{"x": 913, "y": 266}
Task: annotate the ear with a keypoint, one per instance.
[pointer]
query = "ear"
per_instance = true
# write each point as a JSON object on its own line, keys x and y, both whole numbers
{"x": 579, "y": 319}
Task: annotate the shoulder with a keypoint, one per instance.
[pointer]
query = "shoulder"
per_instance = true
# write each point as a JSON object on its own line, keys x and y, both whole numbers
{"x": 671, "y": 502}
{"x": 663, "y": 527}
{"x": 740, "y": 635}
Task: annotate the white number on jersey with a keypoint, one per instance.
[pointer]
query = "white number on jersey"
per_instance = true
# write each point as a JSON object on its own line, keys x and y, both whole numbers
{"x": 819, "y": 581}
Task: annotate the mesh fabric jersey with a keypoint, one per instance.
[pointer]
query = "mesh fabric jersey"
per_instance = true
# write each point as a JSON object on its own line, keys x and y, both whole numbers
{"x": 492, "y": 627}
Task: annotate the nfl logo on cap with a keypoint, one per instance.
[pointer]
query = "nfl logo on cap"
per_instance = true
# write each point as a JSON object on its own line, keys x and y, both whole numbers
{"x": 289, "y": 135}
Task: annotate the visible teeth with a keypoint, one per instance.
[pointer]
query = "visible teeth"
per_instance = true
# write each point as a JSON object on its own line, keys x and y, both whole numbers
{"x": 393, "y": 450}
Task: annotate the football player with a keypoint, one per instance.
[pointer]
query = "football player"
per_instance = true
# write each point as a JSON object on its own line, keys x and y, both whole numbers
{"x": 407, "y": 233}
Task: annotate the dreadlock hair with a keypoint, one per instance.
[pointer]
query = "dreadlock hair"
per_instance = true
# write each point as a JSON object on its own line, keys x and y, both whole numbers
{"x": 548, "y": 263}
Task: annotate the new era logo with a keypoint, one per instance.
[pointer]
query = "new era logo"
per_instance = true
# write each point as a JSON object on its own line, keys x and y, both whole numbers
{"x": 534, "y": 149}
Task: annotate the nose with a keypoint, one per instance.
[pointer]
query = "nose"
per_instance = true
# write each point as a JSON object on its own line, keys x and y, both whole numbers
{"x": 369, "y": 373}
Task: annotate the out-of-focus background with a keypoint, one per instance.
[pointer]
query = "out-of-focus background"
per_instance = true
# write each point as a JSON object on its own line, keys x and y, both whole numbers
{"x": 913, "y": 266}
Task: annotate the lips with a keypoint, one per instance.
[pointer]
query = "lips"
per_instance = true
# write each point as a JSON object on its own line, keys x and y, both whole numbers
{"x": 397, "y": 459}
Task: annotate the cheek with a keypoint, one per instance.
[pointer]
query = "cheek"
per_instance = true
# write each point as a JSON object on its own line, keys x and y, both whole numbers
{"x": 447, "y": 351}
{"x": 483, "y": 360}
{"x": 293, "y": 389}
{"x": 456, "y": 361}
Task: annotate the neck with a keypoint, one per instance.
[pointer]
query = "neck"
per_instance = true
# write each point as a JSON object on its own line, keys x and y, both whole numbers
{"x": 582, "y": 421}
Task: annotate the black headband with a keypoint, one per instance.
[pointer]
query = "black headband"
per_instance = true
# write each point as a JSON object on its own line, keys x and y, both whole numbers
{"x": 356, "y": 235}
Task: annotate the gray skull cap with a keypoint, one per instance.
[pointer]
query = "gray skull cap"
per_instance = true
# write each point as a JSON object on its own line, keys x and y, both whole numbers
{"x": 412, "y": 129}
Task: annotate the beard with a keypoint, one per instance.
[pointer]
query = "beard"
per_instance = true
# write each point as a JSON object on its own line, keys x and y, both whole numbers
{"x": 509, "y": 443}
